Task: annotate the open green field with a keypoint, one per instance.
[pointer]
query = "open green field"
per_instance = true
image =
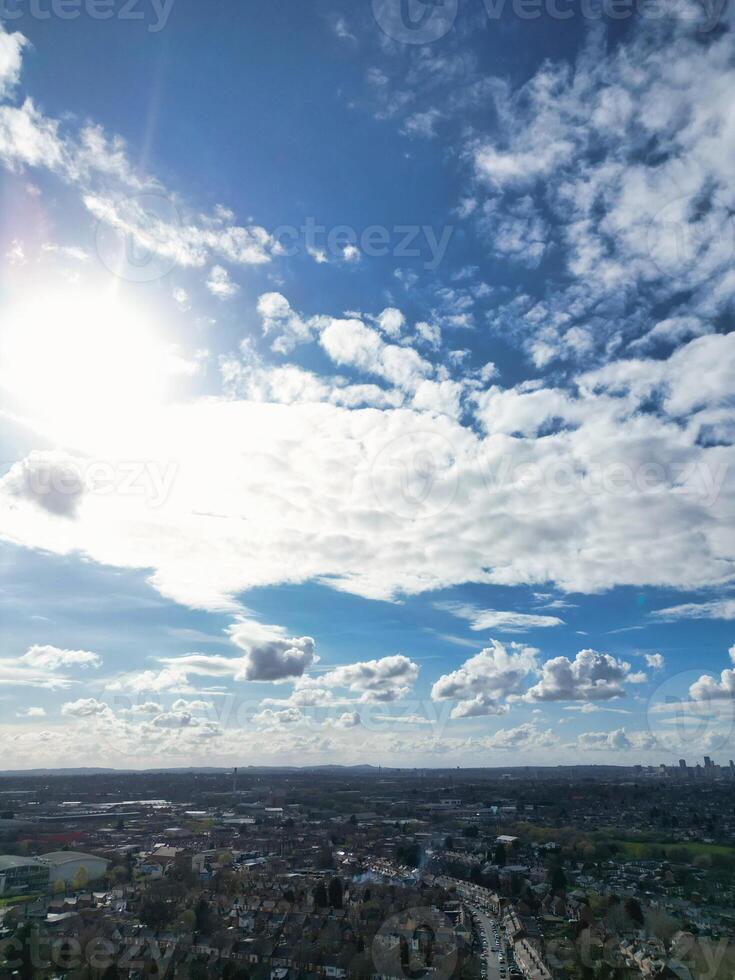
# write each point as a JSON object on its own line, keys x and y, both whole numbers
{"x": 636, "y": 848}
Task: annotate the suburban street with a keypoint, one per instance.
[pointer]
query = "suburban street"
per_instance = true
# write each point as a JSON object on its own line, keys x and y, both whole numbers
{"x": 488, "y": 926}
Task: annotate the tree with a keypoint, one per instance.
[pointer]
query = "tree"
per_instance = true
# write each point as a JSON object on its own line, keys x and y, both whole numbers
{"x": 557, "y": 878}
{"x": 634, "y": 910}
{"x": 155, "y": 912}
{"x": 500, "y": 855}
{"x": 198, "y": 970}
{"x": 27, "y": 938}
{"x": 203, "y": 916}
{"x": 320, "y": 896}
{"x": 80, "y": 880}
{"x": 231, "y": 971}
{"x": 409, "y": 854}
{"x": 335, "y": 893}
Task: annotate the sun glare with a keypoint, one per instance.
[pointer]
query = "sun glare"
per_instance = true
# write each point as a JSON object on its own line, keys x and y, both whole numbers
{"x": 79, "y": 365}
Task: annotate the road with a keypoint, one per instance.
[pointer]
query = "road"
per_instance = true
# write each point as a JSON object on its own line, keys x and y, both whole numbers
{"x": 488, "y": 926}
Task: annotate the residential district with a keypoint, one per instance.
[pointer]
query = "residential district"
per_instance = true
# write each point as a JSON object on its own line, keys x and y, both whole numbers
{"x": 372, "y": 874}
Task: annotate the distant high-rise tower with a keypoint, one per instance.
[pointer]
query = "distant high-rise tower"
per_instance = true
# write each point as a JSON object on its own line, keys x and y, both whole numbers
{"x": 682, "y": 763}
{"x": 234, "y": 780}
{"x": 708, "y": 764}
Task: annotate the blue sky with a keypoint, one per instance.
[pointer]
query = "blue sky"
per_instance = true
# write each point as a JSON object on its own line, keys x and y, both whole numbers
{"x": 366, "y": 382}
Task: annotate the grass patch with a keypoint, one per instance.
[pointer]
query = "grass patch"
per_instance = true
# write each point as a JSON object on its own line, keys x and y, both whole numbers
{"x": 639, "y": 848}
{"x": 17, "y": 900}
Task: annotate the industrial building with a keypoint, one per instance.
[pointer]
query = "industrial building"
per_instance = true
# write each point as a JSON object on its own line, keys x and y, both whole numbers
{"x": 22, "y": 875}
{"x": 65, "y": 866}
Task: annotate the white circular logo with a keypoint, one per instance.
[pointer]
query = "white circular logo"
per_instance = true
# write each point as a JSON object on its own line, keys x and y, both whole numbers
{"x": 415, "y": 476}
{"x": 416, "y": 943}
{"x": 689, "y": 241}
{"x": 681, "y": 723}
{"x": 136, "y": 237}
{"x": 415, "y": 21}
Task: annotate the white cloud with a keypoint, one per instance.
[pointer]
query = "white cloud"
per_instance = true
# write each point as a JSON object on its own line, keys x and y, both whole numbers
{"x": 41, "y": 667}
{"x": 422, "y": 124}
{"x": 391, "y": 321}
{"x": 484, "y": 682}
{"x": 84, "y": 708}
{"x": 555, "y": 488}
{"x": 525, "y": 736}
{"x": 591, "y": 676}
{"x": 50, "y": 480}
{"x": 31, "y": 713}
{"x": 269, "y": 653}
{"x": 11, "y": 56}
{"x": 350, "y": 343}
{"x": 349, "y": 719}
{"x": 268, "y": 718}
{"x": 181, "y": 298}
{"x": 284, "y": 325}
{"x": 493, "y": 619}
{"x": 387, "y": 679}
{"x": 616, "y": 741}
{"x": 655, "y": 660}
{"x": 715, "y": 609}
{"x": 52, "y": 658}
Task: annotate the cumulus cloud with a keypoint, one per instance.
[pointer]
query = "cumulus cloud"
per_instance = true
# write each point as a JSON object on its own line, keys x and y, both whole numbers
{"x": 349, "y": 719}
{"x": 283, "y": 325}
{"x": 11, "y": 56}
{"x": 268, "y": 718}
{"x": 526, "y": 736}
{"x": 269, "y": 653}
{"x": 708, "y": 688}
{"x": 84, "y": 708}
{"x": 616, "y": 741}
{"x": 655, "y": 660}
{"x": 387, "y": 679}
{"x": 49, "y": 480}
{"x": 484, "y": 682}
{"x": 41, "y": 667}
{"x": 220, "y": 284}
{"x": 591, "y": 676}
